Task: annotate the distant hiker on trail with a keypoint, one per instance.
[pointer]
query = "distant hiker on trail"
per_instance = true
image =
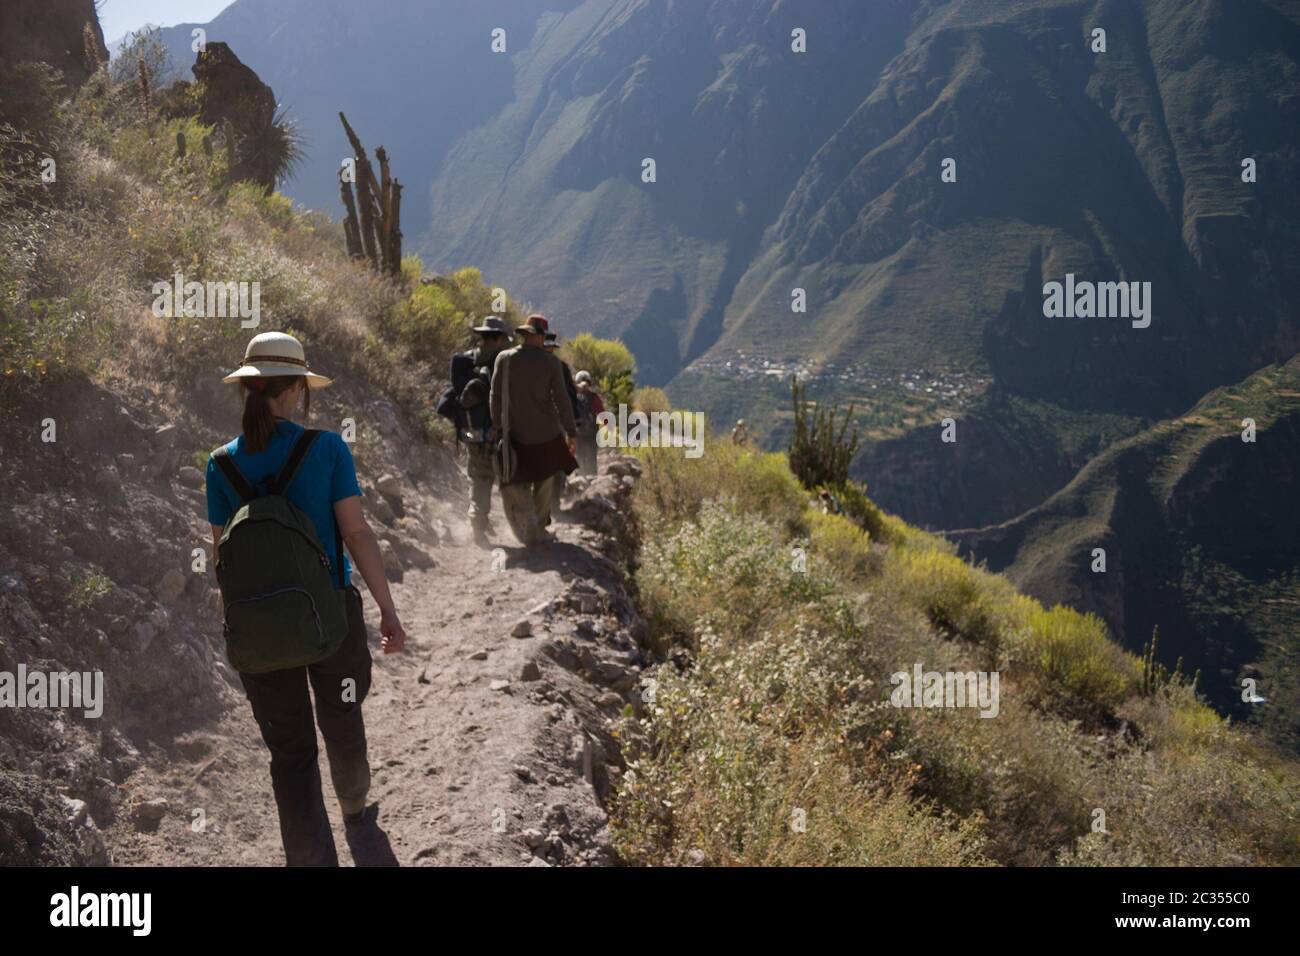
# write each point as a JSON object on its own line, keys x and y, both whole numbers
{"x": 534, "y": 416}
{"x": 828, "y": 503}
{"x": 467, "y": 399}
{"x": 282, "y": 502}
{"x": 590, "y": 405}
{"x": 740, "y": 434}
{"x": 553, "y": 346}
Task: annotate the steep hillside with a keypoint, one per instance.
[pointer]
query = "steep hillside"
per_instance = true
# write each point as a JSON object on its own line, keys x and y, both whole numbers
{"x": 821, "y": 170}
{"x": 110, "y": 406}
{"x": 1200, "y": 535}
{"x": 776, "y": 732}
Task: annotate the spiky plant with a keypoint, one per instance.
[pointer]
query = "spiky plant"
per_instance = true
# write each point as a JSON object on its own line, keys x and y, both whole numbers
{"x": 281, "y": 148}
{"x": 820, "y": 451}
{"x": 90, "y": 44}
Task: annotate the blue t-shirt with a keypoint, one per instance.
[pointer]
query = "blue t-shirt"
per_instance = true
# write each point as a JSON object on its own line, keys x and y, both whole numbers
{"x": 326, "y": 475}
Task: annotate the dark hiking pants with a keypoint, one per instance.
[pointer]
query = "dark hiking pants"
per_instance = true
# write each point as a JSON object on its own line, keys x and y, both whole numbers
{"x": 283, "y": 710}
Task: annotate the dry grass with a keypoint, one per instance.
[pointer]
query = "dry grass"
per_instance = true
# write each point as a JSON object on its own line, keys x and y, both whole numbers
{"x": 773, "y": 740}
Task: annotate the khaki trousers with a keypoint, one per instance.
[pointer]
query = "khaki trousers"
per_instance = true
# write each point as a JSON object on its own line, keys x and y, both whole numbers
{"x": 481, "y": 479}
{"x": 528, "y": 508}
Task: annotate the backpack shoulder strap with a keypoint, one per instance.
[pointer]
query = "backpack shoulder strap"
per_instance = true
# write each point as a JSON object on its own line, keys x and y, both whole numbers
{"x": 285, "y": 478}
{"x": 299, "y": 451}
{"x": 233, "y": 475}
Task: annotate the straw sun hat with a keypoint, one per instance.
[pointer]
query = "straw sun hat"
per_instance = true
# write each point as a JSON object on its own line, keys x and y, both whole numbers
{"x": 273, "y": 354}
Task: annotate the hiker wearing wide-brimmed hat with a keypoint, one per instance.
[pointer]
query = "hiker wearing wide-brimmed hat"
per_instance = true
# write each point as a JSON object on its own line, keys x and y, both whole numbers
{"x": 465, "y": 404}
{"x": 590, "y": 406}
{"x": 532, "y": 410}
{"x": 283, "y": 501}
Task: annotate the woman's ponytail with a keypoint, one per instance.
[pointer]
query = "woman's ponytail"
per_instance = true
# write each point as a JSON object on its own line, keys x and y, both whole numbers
{"x": 259, "y": 422}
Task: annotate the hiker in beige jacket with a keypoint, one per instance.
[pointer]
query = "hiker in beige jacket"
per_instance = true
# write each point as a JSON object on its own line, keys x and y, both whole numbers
{"x": 538, "y": 423}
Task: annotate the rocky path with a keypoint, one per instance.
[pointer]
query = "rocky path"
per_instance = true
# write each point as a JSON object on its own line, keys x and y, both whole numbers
{"x": 488, "y": 740}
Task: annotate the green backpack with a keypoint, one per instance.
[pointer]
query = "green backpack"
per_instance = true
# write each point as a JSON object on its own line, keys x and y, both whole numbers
{"x": 282, "y": 608}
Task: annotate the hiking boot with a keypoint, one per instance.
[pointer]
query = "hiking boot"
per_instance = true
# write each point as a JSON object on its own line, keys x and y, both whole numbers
{"x": 481, "y": 538}
{"x": 367, "y": 842}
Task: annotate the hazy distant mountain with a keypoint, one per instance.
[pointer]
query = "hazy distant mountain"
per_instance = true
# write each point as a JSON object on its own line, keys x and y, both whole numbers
{"x": 821, "y": 170}
{"x": 411, "y": 75}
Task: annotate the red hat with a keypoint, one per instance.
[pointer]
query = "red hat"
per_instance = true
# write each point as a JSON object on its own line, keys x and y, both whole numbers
{"x": 536, "y": 325}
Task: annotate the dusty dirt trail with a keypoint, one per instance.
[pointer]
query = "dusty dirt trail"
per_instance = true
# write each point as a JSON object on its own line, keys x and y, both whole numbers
{"x": 466, "y": 769}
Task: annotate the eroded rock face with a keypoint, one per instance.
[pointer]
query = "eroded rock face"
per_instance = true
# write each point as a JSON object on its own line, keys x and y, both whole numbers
{"x": 41, "y": 828}
{"x": 231, "y": 93}
{"x": 53, "y": 32}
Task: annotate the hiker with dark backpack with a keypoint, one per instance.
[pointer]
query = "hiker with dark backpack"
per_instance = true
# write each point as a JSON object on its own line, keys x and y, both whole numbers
{"x": 465, "y": 404}
{"x": 282, "y": 502}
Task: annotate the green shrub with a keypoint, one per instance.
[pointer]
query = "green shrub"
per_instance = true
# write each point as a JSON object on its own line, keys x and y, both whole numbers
{"x": 88, "y": 588}
{"x": 436, "y": 317}
{"x": 949, "y": 592}
{"x": 841, "y": 545}
{"x": 672, "y": 487}
{"x": 723, "y": 570}
{"x": 852, "y": 497}
{"x": 41, "y": 338}
{"x": 1073, "y": 652}
{"x": 610, "y": 363}
{"x": 647, "y": 399}
{"x": 151, "y": 152}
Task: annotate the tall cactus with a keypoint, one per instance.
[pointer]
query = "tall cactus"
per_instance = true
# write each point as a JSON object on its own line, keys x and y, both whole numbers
{"x": 373, "y": 219}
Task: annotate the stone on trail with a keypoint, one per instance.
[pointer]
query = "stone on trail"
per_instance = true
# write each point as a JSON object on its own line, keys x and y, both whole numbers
{"x": 392, "y": 563}
{"x": 480, "y": 655}
{"x": 76, "y": 810}
{"x": 546, "y": 608}
{"x": 530, "y": 671}
{"x": 191, "y": 476}
{"x": 522, "y": 628}
{"x": 150, "y": 811}
{"x": 500, "y": 685}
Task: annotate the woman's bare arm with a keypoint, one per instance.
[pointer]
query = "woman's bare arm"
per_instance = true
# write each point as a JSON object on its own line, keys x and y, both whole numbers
{"x": 364, "y": 548}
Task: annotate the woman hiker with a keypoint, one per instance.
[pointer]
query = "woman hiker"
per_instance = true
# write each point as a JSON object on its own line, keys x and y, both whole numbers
{"x": 274, "y": 379}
